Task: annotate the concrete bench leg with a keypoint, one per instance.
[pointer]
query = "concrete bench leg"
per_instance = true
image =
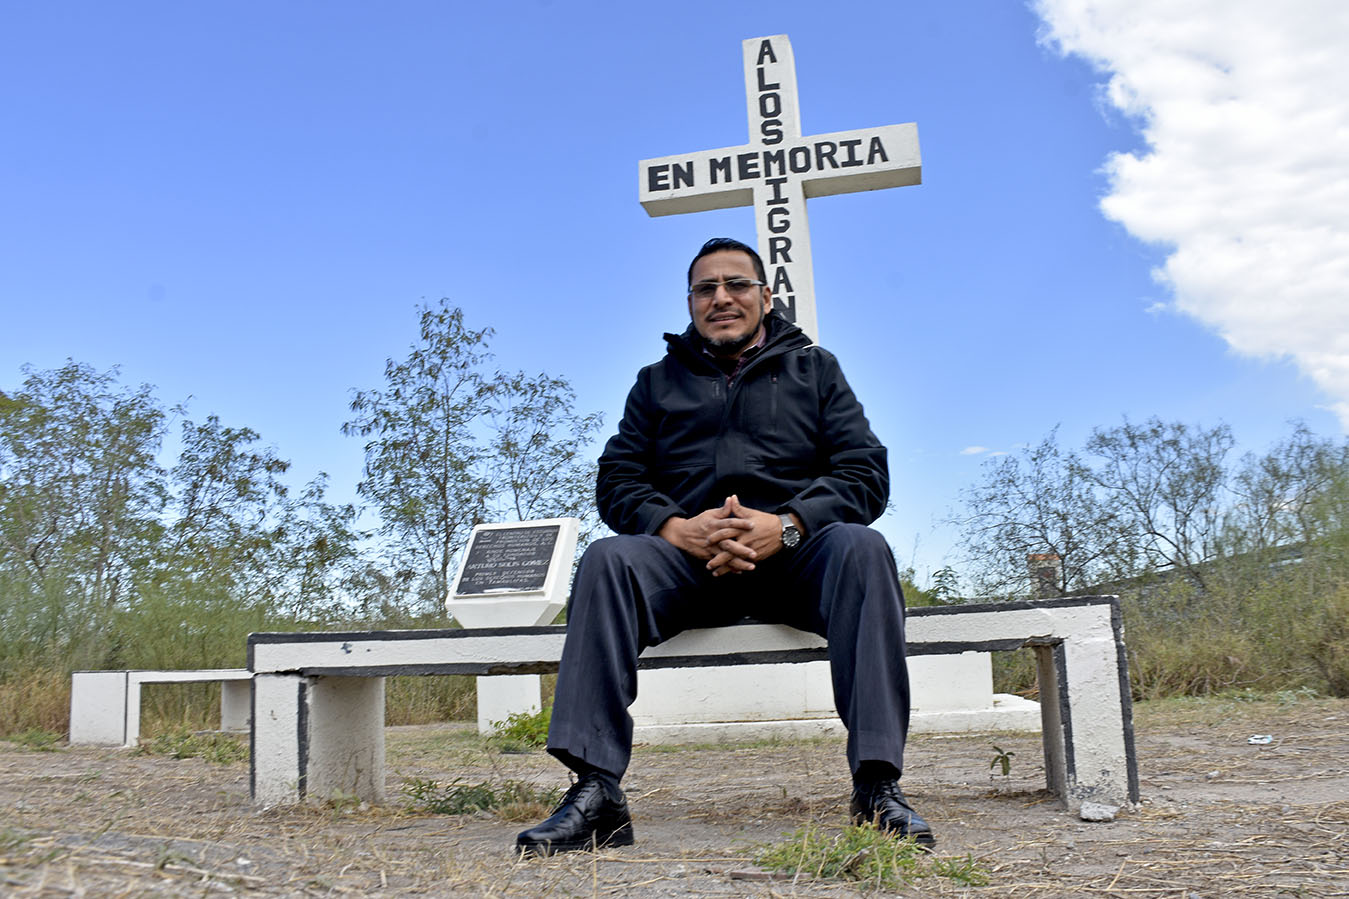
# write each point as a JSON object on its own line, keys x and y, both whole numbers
{"x": 346, "y": 738}
{"x": 1051, "y": 720}
{"x": 317, "y": 736}
{"x": 1087, "y": 713}
{"x": 98, "y": 712}
{"x": 278, "y": 738}
{"x": 133, "y": 708}
{"x": 236, "y": 701}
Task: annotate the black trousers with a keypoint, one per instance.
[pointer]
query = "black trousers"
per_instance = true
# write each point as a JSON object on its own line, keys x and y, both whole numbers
{"x": 632, "y": 592}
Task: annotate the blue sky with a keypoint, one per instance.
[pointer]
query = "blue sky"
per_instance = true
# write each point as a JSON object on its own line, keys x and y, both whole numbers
{"x": 1124, "y": 211}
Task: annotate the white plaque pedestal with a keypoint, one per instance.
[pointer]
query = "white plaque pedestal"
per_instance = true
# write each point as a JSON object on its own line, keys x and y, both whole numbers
{"x": 503, "y": 695}
{"x": 536, "y": 603}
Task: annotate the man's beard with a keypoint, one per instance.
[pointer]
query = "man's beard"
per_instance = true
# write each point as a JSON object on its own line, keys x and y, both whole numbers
{"x": 730, "y": 346}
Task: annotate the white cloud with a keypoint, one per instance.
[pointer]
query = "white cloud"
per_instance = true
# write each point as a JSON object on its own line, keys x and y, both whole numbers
{"x": 973, "y": 450}
{"x": 1244, "y": 105}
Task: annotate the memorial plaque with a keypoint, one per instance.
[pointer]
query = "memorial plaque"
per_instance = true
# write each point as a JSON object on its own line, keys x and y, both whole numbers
{"x": 513, "y": 574}
{"x": 507, "y": 560}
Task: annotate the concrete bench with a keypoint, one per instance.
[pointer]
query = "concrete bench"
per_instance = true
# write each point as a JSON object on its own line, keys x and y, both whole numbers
{"x": 105, "y": 706}
{"x": 318, "y": 698}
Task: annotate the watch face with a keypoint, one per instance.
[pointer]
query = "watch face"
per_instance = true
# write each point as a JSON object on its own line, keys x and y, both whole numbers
{"x": 790, "y": 535}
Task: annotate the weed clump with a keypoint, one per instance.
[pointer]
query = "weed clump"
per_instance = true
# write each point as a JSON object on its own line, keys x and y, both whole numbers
{"x": 220, "y": 749}
{"x": 512, "y": 800}
{"x": 36, "y": 739}
{"x": 865, "y": 855}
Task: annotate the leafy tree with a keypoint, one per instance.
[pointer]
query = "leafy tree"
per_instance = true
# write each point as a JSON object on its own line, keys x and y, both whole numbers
{"x": 1043, "y": 500}
{"x": 424, "y": 465}
{"x": 1159, "y": 497}
{"x": 226, "y": 491}
{"x": 106, "y": 559}
{"x": 316, "y": 553}
{"x": 1168, "y": 482}
{"x": 80, "y": 490}
{"x": 541, "y": 464}
{"x": 451, "y": 444}
{"x": 1293, "y": 494}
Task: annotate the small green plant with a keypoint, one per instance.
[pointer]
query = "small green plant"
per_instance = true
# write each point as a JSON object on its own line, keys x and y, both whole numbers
{"x": 222, "y": 749}
{"x": 11, "y": 839}
{"x": 522, "y": 731}
{"x": 36, "y": 740}
{"x": 343, "y": 802}
{"x": 169, "y": 856}
{"x": 863, "y": 854}
{"x": 512, "y": 800}
{"x": 963, "y": 870}
{"x": 1001, "y": 758}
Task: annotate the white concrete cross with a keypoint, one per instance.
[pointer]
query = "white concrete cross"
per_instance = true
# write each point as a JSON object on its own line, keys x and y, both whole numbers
{"x": 777, "y": 170}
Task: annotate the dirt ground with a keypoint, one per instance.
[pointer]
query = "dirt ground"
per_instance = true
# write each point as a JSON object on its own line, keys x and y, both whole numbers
{"x": 1220, "y": 817}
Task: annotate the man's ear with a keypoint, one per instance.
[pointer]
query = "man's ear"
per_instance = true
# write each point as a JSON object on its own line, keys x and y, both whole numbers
{"x": 767, "y": 300}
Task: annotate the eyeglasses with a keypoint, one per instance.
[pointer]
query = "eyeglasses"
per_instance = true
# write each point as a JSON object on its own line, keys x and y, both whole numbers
{"x": 736, "y": 287}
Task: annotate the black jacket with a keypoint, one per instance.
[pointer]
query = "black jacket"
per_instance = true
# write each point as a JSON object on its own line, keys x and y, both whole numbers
{"x": 787, "y": 434}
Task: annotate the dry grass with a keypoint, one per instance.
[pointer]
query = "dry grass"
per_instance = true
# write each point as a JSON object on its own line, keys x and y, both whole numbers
{"x": 1220, "y": 817}
{"x": 35, "y": 699}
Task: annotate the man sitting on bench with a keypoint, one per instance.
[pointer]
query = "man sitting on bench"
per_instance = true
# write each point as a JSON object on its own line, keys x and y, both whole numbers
{"x": 741, "y": 482}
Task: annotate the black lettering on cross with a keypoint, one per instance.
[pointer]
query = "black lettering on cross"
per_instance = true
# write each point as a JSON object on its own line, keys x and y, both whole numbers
{"x": 778, "y": 170}
{"x": 778, "y": 198}
{"x": 747, "y": 165}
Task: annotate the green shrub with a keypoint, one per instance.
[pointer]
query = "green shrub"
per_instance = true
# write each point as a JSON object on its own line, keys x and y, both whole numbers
{"x": 1328, "y": 639}
{"x": 1270, "y": 631}
{"x": 522, "y": 731}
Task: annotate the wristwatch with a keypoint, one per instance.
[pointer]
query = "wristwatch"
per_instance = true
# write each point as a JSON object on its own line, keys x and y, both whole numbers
{"x": 791, "y": 534}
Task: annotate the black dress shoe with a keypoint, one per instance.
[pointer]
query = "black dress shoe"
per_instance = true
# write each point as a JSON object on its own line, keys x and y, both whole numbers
{"x": 586, "y": 818}
{"x": 883, "y": 803}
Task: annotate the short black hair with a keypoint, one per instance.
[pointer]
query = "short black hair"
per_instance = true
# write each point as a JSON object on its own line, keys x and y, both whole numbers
{"x": 718, "y": 244}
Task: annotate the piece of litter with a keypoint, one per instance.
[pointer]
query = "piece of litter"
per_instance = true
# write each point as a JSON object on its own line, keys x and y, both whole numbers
{"x": 1260, "y": 739}
{"x": 1097, "y": 811}
{"x": 755, "y": 874}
